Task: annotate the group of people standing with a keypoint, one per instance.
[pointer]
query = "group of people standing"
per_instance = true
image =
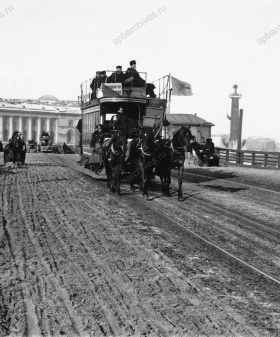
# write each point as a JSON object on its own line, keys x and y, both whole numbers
{"x": 130, "y": 78}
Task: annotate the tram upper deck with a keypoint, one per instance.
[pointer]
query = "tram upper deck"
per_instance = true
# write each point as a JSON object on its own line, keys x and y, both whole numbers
{"x": 101, "y": 102}
{"x": 95, "y": 90}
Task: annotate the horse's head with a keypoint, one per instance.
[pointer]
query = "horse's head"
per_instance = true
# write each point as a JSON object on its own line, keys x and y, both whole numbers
{"x": 17, "y": 140}
{"x": 118, "y": 137}
{"x": 147, "y": 139}
{"x": 183, "y": 137}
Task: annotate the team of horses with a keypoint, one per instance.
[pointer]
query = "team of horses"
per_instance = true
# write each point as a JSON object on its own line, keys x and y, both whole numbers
{"x": 15, "y": 150}
{"x": 147, "y": 155}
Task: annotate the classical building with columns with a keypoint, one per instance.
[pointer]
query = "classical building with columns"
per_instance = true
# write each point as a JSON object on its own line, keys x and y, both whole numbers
{"x": 32, "y": 117}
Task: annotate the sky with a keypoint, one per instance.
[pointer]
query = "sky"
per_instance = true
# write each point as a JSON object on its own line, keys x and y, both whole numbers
{"x": 52, "y": 46}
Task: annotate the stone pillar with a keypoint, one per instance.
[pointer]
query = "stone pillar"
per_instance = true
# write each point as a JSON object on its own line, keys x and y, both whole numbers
{"x": 10, "y": 127}
{"x": 1, "y": 128}
{"x": 48, "y": 125}
{"x": 29, "y": 128}
{"x": 20, "y": 124}
{"x": 56, "y": 131}
{"x": 38, "y": 129}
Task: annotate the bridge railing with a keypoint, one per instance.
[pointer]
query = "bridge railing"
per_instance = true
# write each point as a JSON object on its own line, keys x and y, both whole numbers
{"x": 252, "y": 158}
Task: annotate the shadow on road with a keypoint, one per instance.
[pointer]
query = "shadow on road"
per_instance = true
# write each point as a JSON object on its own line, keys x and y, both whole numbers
{"x": 225, "y": 189}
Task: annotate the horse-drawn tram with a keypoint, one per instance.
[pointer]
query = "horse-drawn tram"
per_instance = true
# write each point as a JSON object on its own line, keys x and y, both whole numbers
{"x": 122, "y": 122}
{"x": 123, "y": 105}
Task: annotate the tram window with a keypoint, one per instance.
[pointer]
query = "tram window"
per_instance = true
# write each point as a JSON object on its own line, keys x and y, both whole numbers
{"x": 109, "y": 116}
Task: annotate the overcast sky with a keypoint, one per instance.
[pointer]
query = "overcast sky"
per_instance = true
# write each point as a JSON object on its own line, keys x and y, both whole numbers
{"x": 51, "y": 46}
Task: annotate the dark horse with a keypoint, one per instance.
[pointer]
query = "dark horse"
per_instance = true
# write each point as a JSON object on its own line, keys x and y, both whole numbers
{"x": 15, "y": 150}
{"x": 142, "y": 159}
{"x": 114, "y": 151}
{"x": 170, "y": 154}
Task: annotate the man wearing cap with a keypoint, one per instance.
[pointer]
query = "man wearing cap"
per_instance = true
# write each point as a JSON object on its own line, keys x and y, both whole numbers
{"x": 117, "y": 77}
{"x": 137, "y": 81}
{"x": 94, "y": 85}
{"x": 103, "y": 78}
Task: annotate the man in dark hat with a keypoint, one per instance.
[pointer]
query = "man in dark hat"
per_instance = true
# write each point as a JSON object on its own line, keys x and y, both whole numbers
{"x": 94, "y": 85}
{"x": 137, "y": 81}
{"x": 103, "y": 78}
{"x": 117, "y": 77}
{"x": 207, "y": 150}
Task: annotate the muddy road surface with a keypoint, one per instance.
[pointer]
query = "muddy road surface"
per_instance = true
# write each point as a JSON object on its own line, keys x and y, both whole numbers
{"x": 76, "y": 260}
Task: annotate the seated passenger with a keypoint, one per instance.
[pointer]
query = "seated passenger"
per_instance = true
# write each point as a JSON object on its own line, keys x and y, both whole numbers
{"x": 208, "y": 148}
{"x": 133, "y": 78}
{"x": 117, "y": 77}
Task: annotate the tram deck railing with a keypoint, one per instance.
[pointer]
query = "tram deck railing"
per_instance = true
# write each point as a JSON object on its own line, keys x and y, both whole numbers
{"x": 252, "y": 158}
{"x": 86, "y": 91}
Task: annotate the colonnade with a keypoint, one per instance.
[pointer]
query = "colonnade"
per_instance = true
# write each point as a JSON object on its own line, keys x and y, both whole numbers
{"x": 32, "y": 124}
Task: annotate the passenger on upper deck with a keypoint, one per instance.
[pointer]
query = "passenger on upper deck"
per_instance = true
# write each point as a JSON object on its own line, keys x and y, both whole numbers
{"x": 94, "y": 85}
{"x": 137, "y": 81}
{"x": 117, "y": 77}
{"x": 103, "y": 78}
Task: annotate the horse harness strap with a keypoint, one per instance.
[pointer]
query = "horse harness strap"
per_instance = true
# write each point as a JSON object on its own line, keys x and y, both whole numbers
{"x": 115, "y": 152}
{"x": 145, "y": 153}
{"x": 176, "y": 149}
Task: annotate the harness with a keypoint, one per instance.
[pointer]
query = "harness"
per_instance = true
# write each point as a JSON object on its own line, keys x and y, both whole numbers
{"x": 115, "y": 152}
{"x": 179, "y": 150}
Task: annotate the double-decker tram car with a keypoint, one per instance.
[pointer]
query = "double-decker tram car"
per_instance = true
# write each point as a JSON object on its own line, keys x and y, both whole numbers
{"x": 103, "y": 101}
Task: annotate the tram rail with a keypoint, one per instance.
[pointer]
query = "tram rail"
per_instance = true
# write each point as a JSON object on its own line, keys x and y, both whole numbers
{"x": 235, "y": 182}
{"x": 69, "y": 162}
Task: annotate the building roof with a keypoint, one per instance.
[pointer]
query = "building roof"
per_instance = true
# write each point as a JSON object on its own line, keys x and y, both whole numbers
{"x": 186, "y": 119}
{"x": 48, "y": 98}
{"x": 24, "y": 107}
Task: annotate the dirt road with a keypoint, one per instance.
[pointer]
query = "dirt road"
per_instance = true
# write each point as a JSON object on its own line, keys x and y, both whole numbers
{"x": 76, "y": 260}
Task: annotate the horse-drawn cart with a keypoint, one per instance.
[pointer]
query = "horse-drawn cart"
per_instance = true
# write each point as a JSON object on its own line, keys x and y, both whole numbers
{"x": 133, "y": 118}
{"x": 32, "y": 146}
{"x": 15, "y": 150}
{"x": 45, "y": 142}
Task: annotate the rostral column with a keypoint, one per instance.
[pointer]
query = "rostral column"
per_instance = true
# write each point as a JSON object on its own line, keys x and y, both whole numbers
{"x": 234, "y": 119}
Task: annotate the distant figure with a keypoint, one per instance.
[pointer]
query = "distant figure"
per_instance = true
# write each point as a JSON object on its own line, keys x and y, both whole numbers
{"x": 117, "y": 77}
{"x": 64, "y": 148}
{"x": 195, "y": 151}
{"x": 212, "y": 144}
{"x": 208, "y": 148}
{"x": 80, "y": 128}
{"x": 206, "y": 151}
{"x": 1, "y": 146}
{"x": 136, "y": 81}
